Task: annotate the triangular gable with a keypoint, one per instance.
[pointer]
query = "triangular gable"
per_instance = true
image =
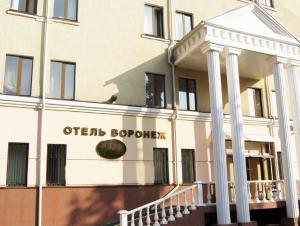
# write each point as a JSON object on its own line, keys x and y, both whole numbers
{"x": 252, "y": 19}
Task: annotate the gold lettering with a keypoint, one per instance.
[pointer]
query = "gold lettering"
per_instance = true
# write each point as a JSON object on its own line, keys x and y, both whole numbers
{"x": 93, "y": 132}
{"x": 67, "y": 130}
{"x": 138, "y": 134}
{"x": 76, "y": 129}
{"x": 84, "y": 131}
{"x": 146, "y": 134}
{"x": 161, "y": 135}
{"x": 130, "y": 133}
{"x": 101, "y": 133}
{"x": 114, "y": 132}
{"x": 123, "y": 133}
{"x": 153, "y": 135}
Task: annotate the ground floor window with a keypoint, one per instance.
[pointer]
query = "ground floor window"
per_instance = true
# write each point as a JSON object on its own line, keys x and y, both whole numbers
{"x": 280, "y": 167}
{"x": 56, "y": 163}
{"x": 17, "y": 164}
{"x": 188, "y": 166}
{"x": 161, "y": 169}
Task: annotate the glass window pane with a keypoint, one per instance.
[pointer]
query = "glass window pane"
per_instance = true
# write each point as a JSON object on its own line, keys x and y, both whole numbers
{"x": 148, "y": 20}
{"x": 59, "y": 8}
{"x": 251, "y": 102}
{"x": 274, "y": 104}
{"x": 11, "y": 75}
{"x": 188, "y": 23}
{"x": 26, "y": 77}
{"x": 179, "y": 26}
{"x": 69, "y": 81}
{"x": 31, "y": 6}
{"x": 72, "y": 9}
{"x": 182, "y": 94}
{"x": 192, "y": 94}
{"x": 159, "y": 22}
{"x": 55, "y": 80}
{"x": 155, "y": 90}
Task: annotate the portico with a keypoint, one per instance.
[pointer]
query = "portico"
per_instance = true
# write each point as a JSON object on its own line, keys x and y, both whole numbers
{"x": 246, "y": 42}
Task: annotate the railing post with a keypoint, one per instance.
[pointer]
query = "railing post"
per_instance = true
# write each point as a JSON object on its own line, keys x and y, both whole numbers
{"x": 199, "y": 194}
{"x": 123, "y": 217}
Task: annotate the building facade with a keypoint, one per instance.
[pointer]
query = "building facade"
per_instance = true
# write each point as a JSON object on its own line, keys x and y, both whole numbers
{"x": 110, "y": 105}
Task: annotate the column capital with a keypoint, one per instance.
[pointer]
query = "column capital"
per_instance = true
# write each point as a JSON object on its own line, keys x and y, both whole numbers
{"x": 211, "y": 46}
{"x": 278, "y": 59}
{"x": 231, "y": 50}
{"x": 293, "y": 63}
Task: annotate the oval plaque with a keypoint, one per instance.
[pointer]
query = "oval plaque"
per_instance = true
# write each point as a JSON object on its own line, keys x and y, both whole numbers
{"x": 111, "y": 149}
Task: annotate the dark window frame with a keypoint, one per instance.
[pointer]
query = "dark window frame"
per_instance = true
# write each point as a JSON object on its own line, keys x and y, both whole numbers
{"x": 26, "y": 8}
{"x": 20, "y": 79}
{"x": 167, "y": 165}
{"x": 188, "y": 92}
{"x": 64, "y": 17}
{"x": 162, "y": 21}
{"x": 191, "y": 15}
{"x": 74, "y": 87}
{"x": 261, "y": 102}
{"x": 164, "y": 87}
{"x": 7, "y": 167}
{"x": 51, "y": 184}
{"x": 194, "y": 165}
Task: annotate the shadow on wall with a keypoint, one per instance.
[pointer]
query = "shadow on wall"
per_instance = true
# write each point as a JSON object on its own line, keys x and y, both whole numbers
{"x": 134, "y": 79}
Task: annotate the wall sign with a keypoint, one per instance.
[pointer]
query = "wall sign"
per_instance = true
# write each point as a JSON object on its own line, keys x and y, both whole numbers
{"x": 111, "y": 149}
{"x": 85, "y": 131}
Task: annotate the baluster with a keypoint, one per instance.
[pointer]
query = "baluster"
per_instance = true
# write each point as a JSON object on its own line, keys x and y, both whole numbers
{"x": 200, "y": 194}
{"x": 163, "y": 214}
{"x": 156, "y": 218}
{"x": 256, "y": 192}
{"x": 171, "y": 211}
{"x": 148, "y": 220}
{"x": 208, "y": 194}
{"x": 249, "y": 192}
{"x": 132, "y": 220}
{"x": 277, "y": 193}
{"x": 264, "y": 195}
{"x": 271, "y": 192}
{"x": 140, "y": 219}
{"x": 186, "y": 210}
{"x": 193, "y": 206}
{"x": 178, "y": 213}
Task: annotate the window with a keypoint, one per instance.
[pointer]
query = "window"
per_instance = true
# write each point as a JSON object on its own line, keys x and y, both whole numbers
{"x": 188, "y": 166}
{"x": 56, "y": 163}
{"x": 17, "y": 164}
{"x": 269, "y": 3}
{"x": 274, "y": 104}
{"x": 24, "y": 6}
{"x": 183, "y": 24}
{"x": 62, "y": 80}
{"x": 161, "y": 170}
{"x": 255, "y": 102}
{"x": 153, "y": 21}
{"x": 155, "y": 90}
{"x": 65, "y": 9}
{"x": 187, "y": 94}
{"x": 18, "y": 73}
{"x": 280, "y": 166}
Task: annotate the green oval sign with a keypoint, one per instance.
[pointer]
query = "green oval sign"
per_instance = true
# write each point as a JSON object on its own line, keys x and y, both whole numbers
{"x": 111, "y": 149}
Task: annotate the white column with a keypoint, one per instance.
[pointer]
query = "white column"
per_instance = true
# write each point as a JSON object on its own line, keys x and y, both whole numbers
{"x": 218, "y": 137}
{"x": 294, "y": 88}
{"x": 238, "y": 146}
{"x": 285, "y": 139}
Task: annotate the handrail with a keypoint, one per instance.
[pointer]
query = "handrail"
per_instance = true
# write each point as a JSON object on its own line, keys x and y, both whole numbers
{"x": 160, "y": 200}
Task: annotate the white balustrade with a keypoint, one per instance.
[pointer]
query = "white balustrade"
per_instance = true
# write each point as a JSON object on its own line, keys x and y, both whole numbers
{"x": 163, "y": 214}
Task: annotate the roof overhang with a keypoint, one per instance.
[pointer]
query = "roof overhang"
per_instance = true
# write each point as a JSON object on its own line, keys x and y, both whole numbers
{"x": 248, "y": 28}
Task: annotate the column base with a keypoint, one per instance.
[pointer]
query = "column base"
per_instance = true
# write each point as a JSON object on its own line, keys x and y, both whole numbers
{"x": 232, "y": 224}
{"x": 285, "y": 221}
{"x": 251, "y": 223}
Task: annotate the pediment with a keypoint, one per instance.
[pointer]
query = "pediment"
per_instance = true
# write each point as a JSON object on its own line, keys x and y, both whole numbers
{"x": 252, "y": 19}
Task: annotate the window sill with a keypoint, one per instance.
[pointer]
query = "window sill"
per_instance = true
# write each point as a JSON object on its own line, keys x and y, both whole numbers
{"x": 63, "y": 21}
{"x": 23, "y": 14}
{"x": 155, "y": 38}
{"x": 264, "y": 6}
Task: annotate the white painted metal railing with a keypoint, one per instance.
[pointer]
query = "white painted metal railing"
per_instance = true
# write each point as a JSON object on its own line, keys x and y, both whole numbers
{"x": 181, "y": 203}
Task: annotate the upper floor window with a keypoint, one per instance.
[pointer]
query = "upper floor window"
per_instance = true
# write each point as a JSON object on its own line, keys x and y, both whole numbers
{"x": 65, "y": 9}
{"x": 184, "y": 24}
{"x": 274, "y": 104}
{"x": 255, "y": 102}
{"x": 17, "y": 164}
{"x": 155, "y": 90}
{"x": 153, "y": 21}
{"x": 24, "y": 6}
{"x": 62, "y": 80}
{"x": 187, "y": 94}
{"x": 18, "y": 73}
